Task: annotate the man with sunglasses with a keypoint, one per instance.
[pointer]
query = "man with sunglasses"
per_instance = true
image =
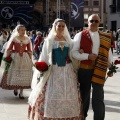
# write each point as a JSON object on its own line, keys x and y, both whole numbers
{"x": 93, "y": 65}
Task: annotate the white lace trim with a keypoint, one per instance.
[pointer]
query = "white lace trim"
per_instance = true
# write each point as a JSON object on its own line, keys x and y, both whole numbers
{"x": 26, "y": 41}
{"x": 56, "y": 43}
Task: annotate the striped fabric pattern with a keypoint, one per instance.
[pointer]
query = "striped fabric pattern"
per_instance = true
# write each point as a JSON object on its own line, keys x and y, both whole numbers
{"x": 101, "y": 63}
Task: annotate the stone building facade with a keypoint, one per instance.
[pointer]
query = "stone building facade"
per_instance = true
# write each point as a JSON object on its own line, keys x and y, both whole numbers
{"x": 113, "y": 14}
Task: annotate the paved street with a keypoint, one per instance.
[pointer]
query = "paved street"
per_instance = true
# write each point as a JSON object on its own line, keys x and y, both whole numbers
{"x": 12, "y": 108}
{"x": 112, "y": 96}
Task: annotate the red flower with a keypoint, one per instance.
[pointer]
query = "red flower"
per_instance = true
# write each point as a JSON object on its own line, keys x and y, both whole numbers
{"x": 117, "y": 62}
{"x": 41, "y": 66}
{"x": 8, "y": 59}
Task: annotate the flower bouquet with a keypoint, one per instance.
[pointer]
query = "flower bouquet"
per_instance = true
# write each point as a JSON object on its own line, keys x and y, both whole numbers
{"x": 41, "y": 66}
{"x": 8, "y": 61}
{"x": 113, "y": 68}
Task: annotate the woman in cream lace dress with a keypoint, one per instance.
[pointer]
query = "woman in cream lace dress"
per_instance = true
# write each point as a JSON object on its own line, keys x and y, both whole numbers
{"x": 19, "y": 74}
{"x": 56, "y": 95}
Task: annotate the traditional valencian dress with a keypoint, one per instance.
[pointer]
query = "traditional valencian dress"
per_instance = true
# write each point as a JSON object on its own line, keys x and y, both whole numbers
{"x": 19, "y": 74}
{"x": 60, "y": 97}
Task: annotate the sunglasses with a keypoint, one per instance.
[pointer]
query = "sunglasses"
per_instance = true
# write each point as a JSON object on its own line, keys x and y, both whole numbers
{"x": 95, "y": 21}
{"x": 61, "y": 26}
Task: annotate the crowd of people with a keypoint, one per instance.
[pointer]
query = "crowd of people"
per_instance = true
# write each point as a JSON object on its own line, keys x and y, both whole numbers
{"x": 77, "y": 61}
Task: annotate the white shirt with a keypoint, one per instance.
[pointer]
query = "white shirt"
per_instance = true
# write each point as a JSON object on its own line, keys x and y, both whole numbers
{"x": 95, "y": 48}
{"x": 3, "y": 48}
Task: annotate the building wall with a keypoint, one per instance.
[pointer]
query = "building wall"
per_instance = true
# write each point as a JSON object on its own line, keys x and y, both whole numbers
{"x": 65, "y": 6}
{"x": 112, "y": 16}
{"x": 94, "y": 9}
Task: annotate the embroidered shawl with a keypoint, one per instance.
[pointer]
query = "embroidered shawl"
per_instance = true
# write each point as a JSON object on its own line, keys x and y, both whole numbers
{"x": 101, "y": 63}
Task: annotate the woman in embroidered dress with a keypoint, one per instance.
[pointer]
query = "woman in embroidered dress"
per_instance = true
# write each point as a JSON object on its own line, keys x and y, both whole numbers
{"x": 56, "y": 95}
{"x": 19, "y": 74}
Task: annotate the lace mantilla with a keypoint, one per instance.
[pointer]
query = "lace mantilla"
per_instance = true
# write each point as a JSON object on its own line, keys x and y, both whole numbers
{"x": 26, "y": 41}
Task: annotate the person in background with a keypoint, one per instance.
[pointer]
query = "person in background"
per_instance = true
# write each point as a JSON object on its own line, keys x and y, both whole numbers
{"x": 37, "y": 43}
{"x": 118, "y": 41}
{"x": 18, "y": 22}
{"x": 112, "y": 39}
{"x": 3, "y": 48}
{"x": 33, "y": 36}
{"x": 3, "y": 38}
{"x": 93, "y": 65}
{"x": 56, "y": 95}
{"x": 19, "y": 73}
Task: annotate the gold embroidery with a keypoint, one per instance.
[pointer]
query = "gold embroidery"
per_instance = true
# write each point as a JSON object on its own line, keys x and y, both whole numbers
{"x": 62, "y": 44}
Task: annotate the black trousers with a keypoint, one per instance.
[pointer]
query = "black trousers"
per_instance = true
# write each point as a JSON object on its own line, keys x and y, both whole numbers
{"x": 84, "y": 78}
